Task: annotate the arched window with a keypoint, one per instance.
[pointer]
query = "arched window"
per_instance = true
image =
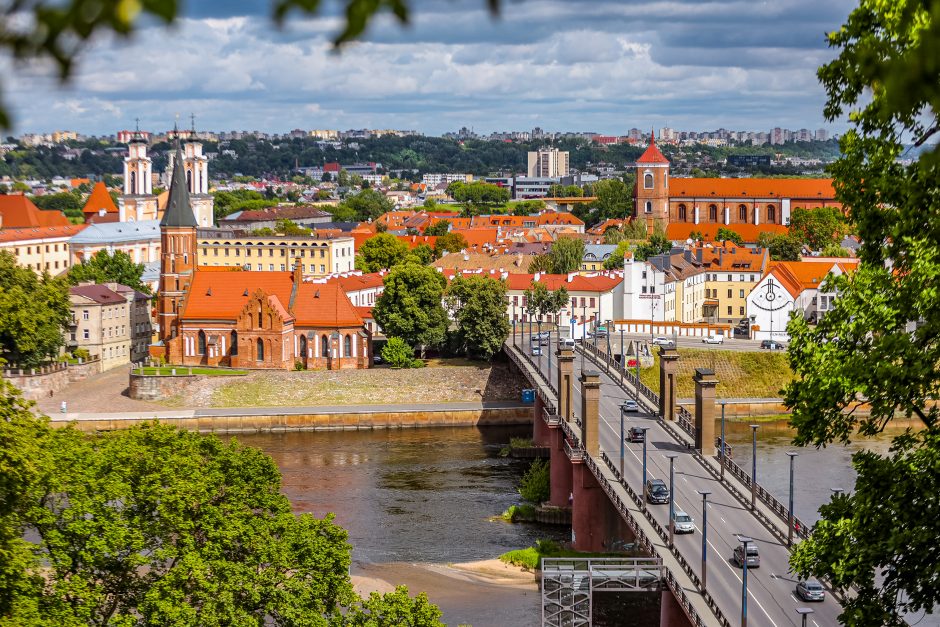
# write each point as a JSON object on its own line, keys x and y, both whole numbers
{"x": 682, "y": 213}
{"x": 133, "y": 182}
{"x": 202, "y": 342}
{"x": 742, "y": 213}
{"x": 713, "y": 213}
{"x": 172, "y": 264}
{"x": 259, "y": 349}
{"x": 771, "y": 214}
{"x": 303, "y": 346}
{"x": 189, "y": 181}
{"x": 260, "y": 319}
{"x": 649, "y": 207}
{"x": 648, "y": 181}
{"x": 234, "y": 350}
{"x": 347, "y": 346}
{"x": 324, "y": 345}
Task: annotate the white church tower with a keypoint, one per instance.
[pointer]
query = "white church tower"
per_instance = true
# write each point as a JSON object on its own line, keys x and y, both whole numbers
{"x": 196, "y": 166}
{"x": 137, "y": 202}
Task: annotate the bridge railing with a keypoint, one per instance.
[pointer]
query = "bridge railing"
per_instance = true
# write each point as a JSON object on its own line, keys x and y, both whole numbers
{"x": 626, "y": 373}
{"x": 574, "y": 452}
{"x": 768, "y": 499}
{"x": 686, "y": 421}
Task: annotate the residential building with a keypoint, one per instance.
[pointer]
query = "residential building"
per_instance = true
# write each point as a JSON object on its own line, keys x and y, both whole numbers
{"x": 645, "y": 289}
{"x": 110, "y": 321}
{"x": 44, "y": 248}
{"x": 316, "y": 256}
{"x": 302, "y": 215}
{"x": 19, "y": 212}
{"x": 596, "y": 255}
{"x": 533, "y": 187}
{"x": 515, "y": 263}
{"x": 548, "y": 163}
{"x": 594, "y": 296}
{"x": 731, "y": 272}
{"x": 433, "y": 180}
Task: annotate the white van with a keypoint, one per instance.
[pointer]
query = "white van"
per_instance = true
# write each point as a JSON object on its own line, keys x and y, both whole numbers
{"x": 567, "y": 342}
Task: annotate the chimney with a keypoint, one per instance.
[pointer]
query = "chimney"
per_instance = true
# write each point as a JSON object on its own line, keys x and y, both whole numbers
{"x": 538, "y": 275}
{"x": 698, "y": 255}
{"x": 298, "y": 273}
{"x": 721, "y": 255}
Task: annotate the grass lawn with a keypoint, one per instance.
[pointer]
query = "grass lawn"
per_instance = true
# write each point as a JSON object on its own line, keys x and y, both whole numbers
{"x": 740, "y": 374}
{"x": 531, "y": 558}
{"x": 167, "y": 371}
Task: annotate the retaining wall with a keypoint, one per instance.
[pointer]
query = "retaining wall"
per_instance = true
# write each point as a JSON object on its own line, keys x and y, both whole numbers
{"x": 158, "y": 387}
{"x": 36, "y": 383}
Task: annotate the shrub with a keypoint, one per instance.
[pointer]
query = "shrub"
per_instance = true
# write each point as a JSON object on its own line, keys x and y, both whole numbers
{"x": 519, "y": 513}
{"x": 299, "y": 365}
{"x": 81, "y": 353}
{"x": 535, "y": 482}
{"x": 398, "y": 354}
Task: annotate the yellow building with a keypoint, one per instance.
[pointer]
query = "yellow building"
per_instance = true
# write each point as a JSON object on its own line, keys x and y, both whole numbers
{"x": 41, "y": 248}
{"x": 318, "y": 256}
{"x": 731, "y": 272}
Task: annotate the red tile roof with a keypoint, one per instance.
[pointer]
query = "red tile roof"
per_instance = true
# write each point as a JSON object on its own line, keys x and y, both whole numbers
{"x": 652, "y": 154}
{"x": 99, "y": 199}
{"x": 681, "y": 231}
{"x": 797, "y": 276}
{"x": 101, "y": 294}
{"x": 40, "y": 232}
{"x": 356, "y": 282}
{"x": 215, "y": 296}
{"x": 18, "y": 211}
{"x": 804, "y": 189}
{"x": 573, "y": 283}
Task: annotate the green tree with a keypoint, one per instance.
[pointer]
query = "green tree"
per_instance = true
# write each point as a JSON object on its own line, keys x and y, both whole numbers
{"x": 835, "y": 250}
{"x": 566, "y": 255}
{"x": 441, "y": 227}
{"x": 397, "y": 353}
{"x": 656, "y": 245}
{"x": 817, "y": 228}
{"x": 729, "y": 235}
{"x": 449, "y": 243}
{"x": 33, "y": 313}
{"x": 478, "y": 306}
{"x": 878, "y": 344}
{"x": 368, "y": 205}
{"x": 410, "y": 306}
{"x": 422, "y": 253}
{"x": 381, "y": 252}
{"x": 104, "y": 267}
{"x": 614, "y": 200}
{"x": 781, "y": 247}
{"x": 540, "y": 263}
{"x": 542, "y": 302}
{"x": 394, "y": 608}
{"x": 536, "y": 482}
{"x": 615, "y": 261}
{"x": 527, "y": 207}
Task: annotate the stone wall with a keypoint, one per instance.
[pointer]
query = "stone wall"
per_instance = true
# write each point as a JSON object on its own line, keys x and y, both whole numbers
{"x": 36, "y": 383}
{"x": 156, "y": 388}
{"x": 362, "y": 420}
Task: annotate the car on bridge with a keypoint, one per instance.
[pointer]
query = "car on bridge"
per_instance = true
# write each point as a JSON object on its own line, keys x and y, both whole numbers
{"x": 636, "y": 434}
{"x": 810, "y": 590}
{"x": 657, "y": 492}
{"x": 773, "y": 345}
{"x": 753, "y": 556}
{"x": 536, "y": 350}
{"x": 682, "y": 522}
{"x": 630, "y": 405}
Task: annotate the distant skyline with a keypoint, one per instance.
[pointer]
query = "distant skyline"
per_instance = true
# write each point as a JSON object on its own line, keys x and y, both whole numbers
{"x": 563, "y": 66}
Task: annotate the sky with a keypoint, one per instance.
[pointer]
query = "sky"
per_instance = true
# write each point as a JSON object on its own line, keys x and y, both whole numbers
{"x": 562, "y": 65}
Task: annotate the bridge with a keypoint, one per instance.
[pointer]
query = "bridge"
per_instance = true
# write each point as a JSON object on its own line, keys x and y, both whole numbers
{"x": 601, "y": 478}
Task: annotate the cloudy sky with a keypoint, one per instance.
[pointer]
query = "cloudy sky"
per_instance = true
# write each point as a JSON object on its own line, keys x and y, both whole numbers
{"x": 588, "y": 65}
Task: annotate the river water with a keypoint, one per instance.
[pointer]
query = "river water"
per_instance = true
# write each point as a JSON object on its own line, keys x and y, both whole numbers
{"x": 425, "y": 496}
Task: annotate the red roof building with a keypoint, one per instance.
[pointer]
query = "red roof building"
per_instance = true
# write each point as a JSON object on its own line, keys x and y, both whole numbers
{"x": 100, "y": 206}
{"x": 19, "y": 212}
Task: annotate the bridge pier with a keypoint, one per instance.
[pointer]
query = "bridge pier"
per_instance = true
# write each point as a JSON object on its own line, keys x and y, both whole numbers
{"x": 667, "y": 382}
{"x": 671, "y": 613}
{"x": 705, "y": 383}
{"x": 540, "y": 435}
{"x": 560, "y": 470}
{"x": 565, "y": 370}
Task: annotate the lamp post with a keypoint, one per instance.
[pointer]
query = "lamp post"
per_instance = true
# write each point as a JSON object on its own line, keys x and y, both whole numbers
{"x": 672, "y": 495}
{"x": 723, "y": 451}
{"x": 623, "y": 444}
{"x": 514, "y": 325}
{"x": 744, "y": 541}
{"x": 754, "y": 465}
{"x": 643, "y": 485}
{"x": 804, "y": 612}
{"x": 836, "y": 491}
{"x": 583, "y": 332}
{"x": 623, "y": 354}
{"x": 792, "y": 455}
{"x": 704, "y": 494}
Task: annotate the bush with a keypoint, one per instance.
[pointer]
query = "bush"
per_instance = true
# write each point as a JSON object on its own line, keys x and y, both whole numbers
{"x": 299, "y": 365}
{"x": 535, "y": 482}
{"x": 398, "y": 354}
{"x": 519, "y": 513}
{"x": 81, "y": 353}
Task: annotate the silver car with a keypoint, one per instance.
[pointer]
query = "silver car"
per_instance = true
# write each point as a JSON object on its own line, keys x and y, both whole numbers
{"x": 682, "y": 522}
{"x": 810, "y": 590}
{"x": 629, "y": 405}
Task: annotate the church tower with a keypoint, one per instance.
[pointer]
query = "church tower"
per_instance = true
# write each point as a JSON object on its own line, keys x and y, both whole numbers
{"x": 137, "y": 202}
{"x": 196, "y": 166}
{"x": 177, "y": 253}
{"x": 651, "y": 195}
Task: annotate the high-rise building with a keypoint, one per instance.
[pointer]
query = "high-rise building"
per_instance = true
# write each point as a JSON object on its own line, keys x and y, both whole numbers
{"x": 822, "y": 135}
{"x": 548, "y": 162}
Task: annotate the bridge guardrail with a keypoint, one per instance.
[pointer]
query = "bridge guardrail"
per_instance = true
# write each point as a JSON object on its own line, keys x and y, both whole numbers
{"x": 575, "y": 453}
{"x": 686, "y": 421}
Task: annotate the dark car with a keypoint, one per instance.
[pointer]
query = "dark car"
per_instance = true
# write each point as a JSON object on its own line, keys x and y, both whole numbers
{"x": 657, "y": 492}
{"x": 773, "y": 345}
{"x": 753, "y": 556}
{"x": 635, "y": 434}
{"x": 810, "y": 590}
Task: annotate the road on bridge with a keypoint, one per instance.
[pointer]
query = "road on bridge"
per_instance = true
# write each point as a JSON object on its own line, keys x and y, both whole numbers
{"x": 771, "y": 597}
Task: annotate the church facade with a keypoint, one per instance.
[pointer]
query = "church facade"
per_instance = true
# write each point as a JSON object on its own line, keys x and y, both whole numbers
{"x": 260, "y": 320}
{"x": 729, "y": 202}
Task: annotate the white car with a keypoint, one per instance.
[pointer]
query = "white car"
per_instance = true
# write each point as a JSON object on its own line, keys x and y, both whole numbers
{"x": 713, "y": 339}
{"x": 682, "y": 522}
{"x": 662, "y": 341}
{"x": 629, "y": 405}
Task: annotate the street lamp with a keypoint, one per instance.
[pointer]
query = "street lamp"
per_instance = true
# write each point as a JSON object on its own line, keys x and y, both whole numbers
{"x": 804, "y": 612}
{"x": 643, "y": 485}
{"x": 672, "y": 495}
{"x": 704, "y": 494}
{"x": 836, "y": 491}
{"x": 744, "y": 541}
{"x": 623, "y": 444}
{"x": 754, "y": 464}
{"x": 723, "y": 451}
{"x": 583, "y": 332}
{"x": 623, "y": 355}
{"x": 792, "y": 455}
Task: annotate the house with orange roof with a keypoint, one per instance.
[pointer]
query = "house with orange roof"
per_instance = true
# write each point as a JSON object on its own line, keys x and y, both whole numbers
{"x": 99, "y": 207}
{"x": 735, "y": 203}
{"x": 595, "y": 296}
{"x": 791, "y": 286}
{"x": 18, "y": 212}
{"x": 42, "y": 248}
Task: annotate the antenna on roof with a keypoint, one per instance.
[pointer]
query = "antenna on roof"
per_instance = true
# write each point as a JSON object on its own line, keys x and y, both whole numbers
{"x": 192, "y": 118}
{"x": 137, "y": 124}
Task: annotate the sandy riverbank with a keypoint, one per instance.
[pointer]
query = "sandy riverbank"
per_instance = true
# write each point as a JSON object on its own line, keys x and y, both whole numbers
{"x": 481, "y": 593}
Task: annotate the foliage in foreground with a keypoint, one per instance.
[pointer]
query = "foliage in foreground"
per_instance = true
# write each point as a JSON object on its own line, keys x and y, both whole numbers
{"x": 535, "y": 486}
{"x": 154, "y": 525}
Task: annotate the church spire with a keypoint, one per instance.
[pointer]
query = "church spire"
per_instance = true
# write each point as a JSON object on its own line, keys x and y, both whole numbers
{"x": 179, "y": 211}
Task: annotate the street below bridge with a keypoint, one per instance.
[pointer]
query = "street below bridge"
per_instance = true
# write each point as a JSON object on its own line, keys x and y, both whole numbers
{"x": 771, "y": 599}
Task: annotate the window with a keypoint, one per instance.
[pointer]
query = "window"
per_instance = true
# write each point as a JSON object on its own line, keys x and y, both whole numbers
{"x": 303, "y": 346}
{"x": 260, "y": 322}
{"x": 226, "y": 252}
{"x": 742, "y": 213}
{"x": 648, "y": 180}
{"x": 282, "y": 267}
{"x": 248, "y": 252}
{"x": 322, "y": 268}
{"x": 202, "y": 343}
{"x": 84, "y": 314}
{"x": 238, "y": 252}
{"x": 234, "y": 350}
{"x": 771, "y": 213}
{"x": 592, "y": 301}
{"x": 729, "y": 311}
{"x": 740, "y": 293}
{"x": 682, "y": 213}
{"x": 271, "y": 267}
{"x": 741, "y": 311}
{"x": 85, "y": 334}
{"x": 323, "y": 253}
{"x": 259, "y": 350}
{"x": 649, "y": 207}
{"x": 347, "y": 346}
{"x": 729, "y": 293}
{"x": 324, "y": 346}
{"x": 215, "y": 251}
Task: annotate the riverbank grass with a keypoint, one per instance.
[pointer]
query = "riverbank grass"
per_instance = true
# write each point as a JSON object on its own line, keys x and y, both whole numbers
{"x": 740, "y": 374}
{"x": 531, "y": 558}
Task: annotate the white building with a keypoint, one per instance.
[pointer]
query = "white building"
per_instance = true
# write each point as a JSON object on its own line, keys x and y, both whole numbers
{"x": 548, "y": 163}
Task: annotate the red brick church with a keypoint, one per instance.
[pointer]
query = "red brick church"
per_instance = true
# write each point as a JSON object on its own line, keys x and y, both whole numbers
{"x": 247, "y": 319}
{"x": 746, "y": 205}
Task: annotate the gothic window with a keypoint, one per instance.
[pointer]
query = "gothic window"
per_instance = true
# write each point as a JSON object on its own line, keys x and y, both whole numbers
{"x": 260, "y": 350}
{"x": 648, "y": 181}
{"x": 742, "y": 213}
{"x": 324, "y": 346}
{"x": 682, "y": 213}
{"x": 771, "y": 214}
{"x": 649, "y": 207}
{"x": 133, "y": 182}
{"x": 713, "y": 213}
{"x": 303, "y": 346}
{"x": 202, "y": 343}
{"x": 260, "y": 321}
{"x": 234, "y": 350}
{"x": 347, "y": 346}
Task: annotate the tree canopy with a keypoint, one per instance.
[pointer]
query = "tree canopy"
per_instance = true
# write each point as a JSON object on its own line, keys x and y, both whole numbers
{"x": 817, "y": 228}
{"x": 478, "y": 307}
{"x": 381, "y": 252}
{"x": 410, "y": 306}
{"x": 449, "y": 243}
{"x": 367, "y": 205}
{"x": 879, "y": 344}
{"x": 565, "y": 255}
{"x": 729, "y": 235}
{"x": 33, "y": 313}
{"x": 657, "y": 244}
{"x": 104, "y": 267}
{"x": 441, "y": 227}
